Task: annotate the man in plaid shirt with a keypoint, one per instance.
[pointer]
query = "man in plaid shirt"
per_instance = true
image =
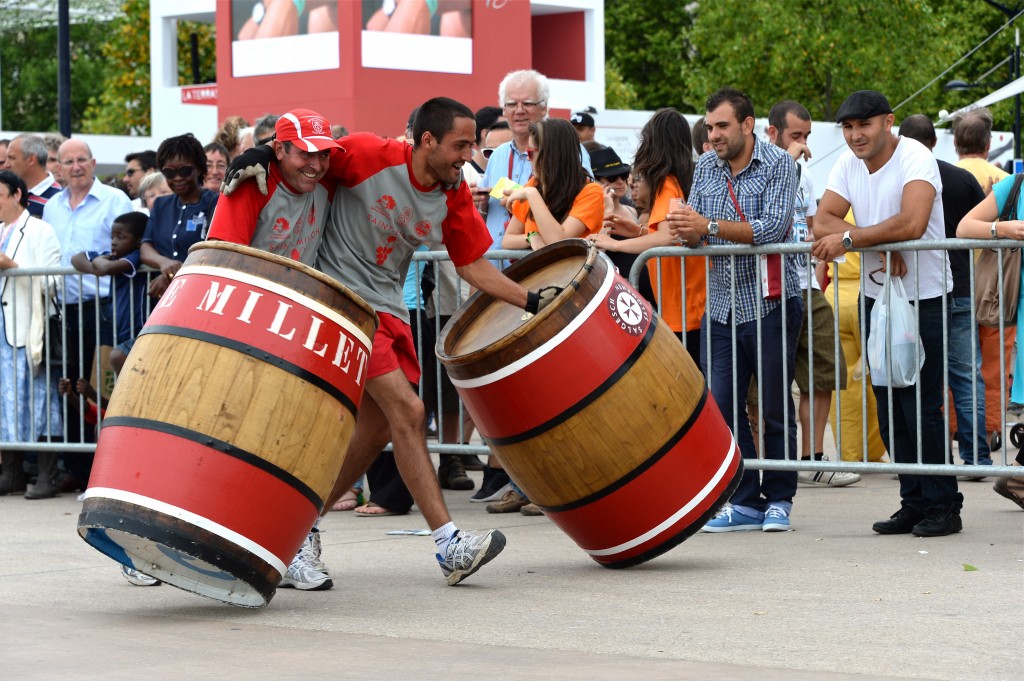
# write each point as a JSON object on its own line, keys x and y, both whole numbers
{"x": 743, "y": 193}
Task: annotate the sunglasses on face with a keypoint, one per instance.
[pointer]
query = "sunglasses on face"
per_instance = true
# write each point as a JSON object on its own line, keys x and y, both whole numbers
{"x": 182, "y": 172}
{"x": 487, "y": 151}
{"x": 610, "y": 179}
{"x": 130, "y": 172}
{"x": 531, "y": 153}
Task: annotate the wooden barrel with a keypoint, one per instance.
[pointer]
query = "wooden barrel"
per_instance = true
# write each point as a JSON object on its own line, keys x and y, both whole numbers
{"x": 595, "y": 407}
{"x": 229, "y": 423}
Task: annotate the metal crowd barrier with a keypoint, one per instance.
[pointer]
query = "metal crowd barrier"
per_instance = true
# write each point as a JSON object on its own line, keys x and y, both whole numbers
{"x": 428, "y": 324}
{"x": 910, "y": 249}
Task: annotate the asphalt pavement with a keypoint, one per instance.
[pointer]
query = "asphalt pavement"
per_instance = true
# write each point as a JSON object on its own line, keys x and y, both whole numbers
{"x": 828, "y": 600}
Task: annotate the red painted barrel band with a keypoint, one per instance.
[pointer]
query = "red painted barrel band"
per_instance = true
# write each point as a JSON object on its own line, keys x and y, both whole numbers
{"x": 655, "y": 496}
{"x": 221, "y": 446}
{"x": 247, "y": 315}
{"x": 186, "y": 474}
{"x": 569, "y": 371}
{"x": 256, "y": 353}
{"x": 579, "y": 406}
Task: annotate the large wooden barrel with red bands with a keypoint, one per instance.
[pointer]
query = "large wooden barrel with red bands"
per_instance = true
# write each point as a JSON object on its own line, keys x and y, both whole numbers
{"x": 229, "y": 423}
{"x": 594, "y": 406}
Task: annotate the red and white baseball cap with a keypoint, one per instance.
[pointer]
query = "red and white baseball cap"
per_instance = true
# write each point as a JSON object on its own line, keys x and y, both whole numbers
{"x": 307, "y": 130}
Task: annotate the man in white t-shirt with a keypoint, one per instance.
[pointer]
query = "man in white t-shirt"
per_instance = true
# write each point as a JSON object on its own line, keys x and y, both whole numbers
{"x": 789, "y": 127}
{"x": 892, "y": 183}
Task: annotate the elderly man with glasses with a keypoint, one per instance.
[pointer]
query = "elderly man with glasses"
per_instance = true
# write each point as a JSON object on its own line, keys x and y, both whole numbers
{"x": 81, "y": 215}
{"x": 523, "y": 97}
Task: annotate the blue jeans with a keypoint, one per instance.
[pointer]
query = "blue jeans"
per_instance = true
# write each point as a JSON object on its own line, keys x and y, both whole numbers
{"x": 961, "y": 372}
{"x": 919, "y": 492}
{"x": 757, "y": 489}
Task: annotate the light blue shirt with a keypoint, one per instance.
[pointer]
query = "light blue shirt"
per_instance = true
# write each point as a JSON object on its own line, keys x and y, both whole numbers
{"x": 86, "y": 228}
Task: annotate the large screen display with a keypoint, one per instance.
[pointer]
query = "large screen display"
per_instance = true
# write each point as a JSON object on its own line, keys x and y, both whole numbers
{"x": 283, "y": 36}
{"x": 418, "y": 35}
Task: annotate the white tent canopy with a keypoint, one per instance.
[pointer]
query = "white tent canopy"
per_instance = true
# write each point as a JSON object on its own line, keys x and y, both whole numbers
{"x": 1005, "y": 92}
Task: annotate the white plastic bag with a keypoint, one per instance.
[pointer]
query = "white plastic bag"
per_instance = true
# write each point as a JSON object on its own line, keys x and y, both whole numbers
{"x": 893, "y": 316}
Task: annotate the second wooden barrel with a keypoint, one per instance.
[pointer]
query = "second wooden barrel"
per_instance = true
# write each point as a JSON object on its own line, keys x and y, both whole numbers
{"x": 229, "y": 423}
{"x": 596, "y": 409}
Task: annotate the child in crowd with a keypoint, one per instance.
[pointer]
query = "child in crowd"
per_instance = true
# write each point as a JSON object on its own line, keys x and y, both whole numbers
{"x": 122, "y": 262}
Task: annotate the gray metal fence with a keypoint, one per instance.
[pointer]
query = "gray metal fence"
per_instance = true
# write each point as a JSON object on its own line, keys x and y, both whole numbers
{"x": 449, "y": 293}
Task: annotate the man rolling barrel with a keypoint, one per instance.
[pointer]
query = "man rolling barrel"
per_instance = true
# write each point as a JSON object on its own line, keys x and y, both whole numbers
{"x": 390, "y": 198}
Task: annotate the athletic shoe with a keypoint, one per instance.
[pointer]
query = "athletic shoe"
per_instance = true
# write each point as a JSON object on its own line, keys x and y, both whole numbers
{"x": 776, "y": 519}
{"x": 468, "y": 551}
{"x": 496, "y": 482}
{"x": 826, "y": 478}
{"x": 511, "y": 501}
{"x": 304, "y": 573}
{"x": 137, "y": 578}
{"x": 315, "y": 549}
{"x": 729, "y": 520}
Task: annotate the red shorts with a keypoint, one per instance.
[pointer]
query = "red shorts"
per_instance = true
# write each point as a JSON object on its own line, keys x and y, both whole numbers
{"x": 394, "y": 348}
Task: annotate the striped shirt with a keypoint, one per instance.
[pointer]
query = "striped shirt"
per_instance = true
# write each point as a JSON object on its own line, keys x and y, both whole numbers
{"x": 765, "y": 190}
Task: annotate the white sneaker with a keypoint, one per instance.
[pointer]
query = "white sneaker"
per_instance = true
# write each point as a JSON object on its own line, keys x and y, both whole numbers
{"x": 468, "y": 551}
{"x": 137, "y": 578}
{"x": 826, "y": 478}
{"x": 307, "y": 572}
{"x": 315, "y": 549}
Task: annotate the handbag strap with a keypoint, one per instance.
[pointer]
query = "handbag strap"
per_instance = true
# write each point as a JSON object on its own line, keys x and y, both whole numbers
{"x": 1010, "y": 207}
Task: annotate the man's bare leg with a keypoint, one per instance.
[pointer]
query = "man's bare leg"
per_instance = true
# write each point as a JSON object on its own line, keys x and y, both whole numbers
{"x": 391, "y": 409}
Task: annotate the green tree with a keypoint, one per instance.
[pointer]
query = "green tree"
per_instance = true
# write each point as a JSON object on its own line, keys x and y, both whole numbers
{"x": 618, "y": 93}
{"x": 121, "y": 105}
{"x": 818, "y": 51}
{"x": 28, "y": 74}
{"x": 646, "y": 41}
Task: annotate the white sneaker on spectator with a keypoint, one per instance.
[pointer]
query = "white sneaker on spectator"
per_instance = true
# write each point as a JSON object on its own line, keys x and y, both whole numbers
{"x": 827, "y": 478}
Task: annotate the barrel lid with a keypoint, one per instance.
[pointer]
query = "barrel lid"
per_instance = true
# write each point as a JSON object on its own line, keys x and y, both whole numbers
{"x": 485, "y": 325}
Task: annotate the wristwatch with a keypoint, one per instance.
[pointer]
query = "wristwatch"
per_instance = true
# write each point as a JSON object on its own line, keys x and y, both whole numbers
{"x": 995, "y": 232}
{"x": 847, "y": 240}
{"x": 713, "y": 228}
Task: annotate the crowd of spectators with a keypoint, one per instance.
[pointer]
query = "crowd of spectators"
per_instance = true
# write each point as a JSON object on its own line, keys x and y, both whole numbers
{"x": 715, "y": 183}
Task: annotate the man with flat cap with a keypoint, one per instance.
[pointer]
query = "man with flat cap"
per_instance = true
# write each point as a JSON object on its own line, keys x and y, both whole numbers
{"x": 892, "y": 183}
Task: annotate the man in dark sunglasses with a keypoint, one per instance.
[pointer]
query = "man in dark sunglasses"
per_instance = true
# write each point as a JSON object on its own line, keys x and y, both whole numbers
{"x": 138, "y": 164}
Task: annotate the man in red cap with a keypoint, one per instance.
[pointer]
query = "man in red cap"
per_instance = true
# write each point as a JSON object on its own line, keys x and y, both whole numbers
{"x": 286, "y": 215}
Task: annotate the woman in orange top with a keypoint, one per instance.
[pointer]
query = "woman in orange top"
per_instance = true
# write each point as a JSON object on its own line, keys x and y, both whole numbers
{"x": 560, "y": 201}
{"x": 665, "y": 162}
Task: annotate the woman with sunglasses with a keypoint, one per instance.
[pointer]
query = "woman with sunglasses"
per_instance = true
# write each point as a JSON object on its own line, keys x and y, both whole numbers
{"x": 560, "y": 201}
{"x": 664, "y": 160}
{"x": 181, "y": 219}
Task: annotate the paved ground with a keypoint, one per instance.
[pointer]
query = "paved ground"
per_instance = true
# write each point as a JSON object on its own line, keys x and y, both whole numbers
{"x": 829, "y": 600}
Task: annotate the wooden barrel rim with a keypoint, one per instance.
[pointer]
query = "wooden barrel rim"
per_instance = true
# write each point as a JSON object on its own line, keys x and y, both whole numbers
{"x": 518, "y": 270}
{"x": 293, "y": 264}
